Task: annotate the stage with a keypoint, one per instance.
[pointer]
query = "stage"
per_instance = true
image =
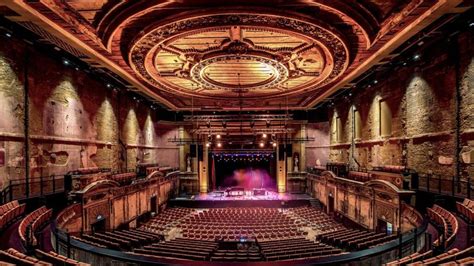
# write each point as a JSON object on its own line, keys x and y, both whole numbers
{"x": 247, "y": 198}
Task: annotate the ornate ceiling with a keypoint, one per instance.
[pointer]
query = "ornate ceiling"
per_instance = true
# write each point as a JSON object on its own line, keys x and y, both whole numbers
{"x": 254, "y": 55}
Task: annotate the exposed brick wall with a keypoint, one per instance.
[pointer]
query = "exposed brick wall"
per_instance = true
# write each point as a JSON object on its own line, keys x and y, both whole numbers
{"x": 422, "y": 101}
{"x": 75, "y": 121}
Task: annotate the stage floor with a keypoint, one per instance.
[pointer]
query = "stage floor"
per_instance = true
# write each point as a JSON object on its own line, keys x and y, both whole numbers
{"x": 270, "y": 195}
{"x": 216, "y": 200}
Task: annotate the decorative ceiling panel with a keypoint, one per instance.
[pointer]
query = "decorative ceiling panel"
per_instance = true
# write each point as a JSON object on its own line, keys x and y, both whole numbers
{"x": 243, "y": 54}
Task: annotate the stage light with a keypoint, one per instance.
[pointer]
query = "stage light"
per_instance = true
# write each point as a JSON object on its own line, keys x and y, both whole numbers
{"x": 262, "y": 144}
{"x": 66, "y": 62}
{"x": 416, "y": 57}
{"x": 8, "y": 34}
{"x": 264, "y": 135}
{"x": 109, "y": 85}
{"x": 219, "y": 145}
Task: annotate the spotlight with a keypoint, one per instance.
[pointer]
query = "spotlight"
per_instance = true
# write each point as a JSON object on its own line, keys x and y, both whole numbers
{"x": 109, "y": 85}
{"x": 262, "y": 144}
{"x": 218, "y": 136}
{"x": 219, "y": 144}
{"x": 376, "y": 81}
{"x": 264, "y": 135}
{"x": 404, "y": 63}
{"x": 416, "y": 57}
{"x": 8, "y": 34}
{"x": 471, "y": 24}
{"x": 66, "y": 62}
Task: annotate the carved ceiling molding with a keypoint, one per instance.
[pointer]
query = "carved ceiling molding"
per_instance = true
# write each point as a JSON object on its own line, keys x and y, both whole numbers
{"x": 145, "y": 48}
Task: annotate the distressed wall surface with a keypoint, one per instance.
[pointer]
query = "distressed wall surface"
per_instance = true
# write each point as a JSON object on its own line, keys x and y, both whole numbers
{"x": 74, "y": 120}
{"x": 421, "y": 100}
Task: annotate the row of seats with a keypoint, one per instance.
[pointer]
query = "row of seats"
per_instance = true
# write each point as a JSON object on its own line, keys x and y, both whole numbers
{"x": 10, "y": 212}
{"x": 67, "y": 214}
{"x": 124, "y": 178}
{"x": 359, "y": 176}
{"x": 451, "y": 257}
{"x": 32, "y": 223}
{"x": 56, "y": 259}
{"x": 466, "y": 209}
{"x": 446, "y": 220}
{"x": 417, "y": 256}
{"x": 121, "y": 239}
{"x": 316, "y": 219}
{"x": 180, "y": 248}
{"x": 239, "y": 255}
{"x": 391, "y": 168}
{"x": 292, "y": 249}
{"x": 17, "y": 258}
{"x": 165, "y": 220}
{"x": 233, "y": 224}
{"x": 355, "y": 239}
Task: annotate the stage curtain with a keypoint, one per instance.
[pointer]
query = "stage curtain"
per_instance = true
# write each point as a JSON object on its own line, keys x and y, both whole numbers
{"x": 213, "y": 173}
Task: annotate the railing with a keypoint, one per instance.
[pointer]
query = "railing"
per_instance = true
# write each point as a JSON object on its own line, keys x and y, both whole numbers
{"x": 445, "y": 186}
{"x": 407, "y": 243}
{"x": 35, "y": 187}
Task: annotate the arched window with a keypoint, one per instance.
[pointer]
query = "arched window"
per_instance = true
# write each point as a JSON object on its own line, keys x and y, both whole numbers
{"x": 336, "y": 129}
{"x": 385, "y": 119}
{"x": 357, "y": 123}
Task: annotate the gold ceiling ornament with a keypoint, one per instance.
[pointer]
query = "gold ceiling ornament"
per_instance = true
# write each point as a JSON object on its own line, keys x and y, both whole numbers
{"x": 201, "y": 56}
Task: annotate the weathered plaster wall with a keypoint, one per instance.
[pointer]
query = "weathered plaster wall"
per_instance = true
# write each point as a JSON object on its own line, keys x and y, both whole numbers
{"x": 74, "y": 120}
{"x": 421, "y": 99}
{"x": 317, "y": 151}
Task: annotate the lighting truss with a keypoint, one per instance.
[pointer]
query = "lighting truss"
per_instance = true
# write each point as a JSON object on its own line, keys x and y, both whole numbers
{"x": 238, "y": 117}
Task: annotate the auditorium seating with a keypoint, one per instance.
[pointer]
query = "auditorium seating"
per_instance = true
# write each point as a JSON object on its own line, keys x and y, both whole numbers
{"x": 56, "y": 259}
{"x": 14, "y": 256}
{"x": 398, "y": 169}
{"x": 120, "y": 239}
{"x": 354, "y": 239}
{"x": 359, "y": 176}
{"x": 124, "y": 178}
{"x": 411, "y": 258}
{"x": 233, "y": 224}
{"x": 466, "y": 209}
{"x": 298, "y": 248}
{"x": 446, "y": 220}
{"x": 450, "y": 257}
{"x": 34, "y": 221}
{"x": 316, "y": 219}
{"x": 245, "y": 252}
{"x": 180, "y": 248}
{"x": 163, "y": 221}
{"x": 10, "y": 212}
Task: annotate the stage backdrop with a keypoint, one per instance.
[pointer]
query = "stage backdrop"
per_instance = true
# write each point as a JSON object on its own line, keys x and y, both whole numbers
{"x": 243, "y": 171}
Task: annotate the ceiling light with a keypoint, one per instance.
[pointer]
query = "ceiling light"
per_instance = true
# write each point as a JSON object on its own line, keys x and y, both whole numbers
{"x": 8, "y": 34}
{"x": 262, "y": 144}
{"x": 208, "y": 144}
{"x": 66, "y": 62}
{"x": 109, "y": 85}
{"x": 416, "y": 57}
{"x": 471, "y": 24}
{"x": 376, "y": 81}
{"x": 218, "y": 136}
{"x": 264, "y": 135}
{"x": 219, "y": 145}
{"x": 274, "y": 144}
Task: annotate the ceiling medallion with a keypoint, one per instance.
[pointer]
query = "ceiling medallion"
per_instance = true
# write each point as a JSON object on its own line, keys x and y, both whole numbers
{"x": 214, "y": 55}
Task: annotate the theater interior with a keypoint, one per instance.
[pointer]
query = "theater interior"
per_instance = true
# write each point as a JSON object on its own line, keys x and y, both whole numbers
{"x": 205, "y": 132}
